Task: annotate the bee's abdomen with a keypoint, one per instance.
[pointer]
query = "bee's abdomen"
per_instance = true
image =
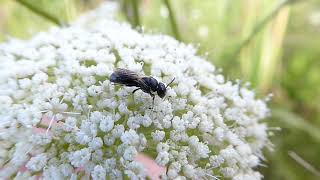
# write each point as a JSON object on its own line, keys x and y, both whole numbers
{"x": 123, "y": 79}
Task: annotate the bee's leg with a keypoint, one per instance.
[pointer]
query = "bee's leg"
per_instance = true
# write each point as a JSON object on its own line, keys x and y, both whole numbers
{"x": 153, "y": 101}
{"x": 135, "y": 90}
{"x": 153, "y": 96}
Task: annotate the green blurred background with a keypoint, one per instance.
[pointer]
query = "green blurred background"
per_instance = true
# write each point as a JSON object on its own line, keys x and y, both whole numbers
{"x": 275, "y": 45}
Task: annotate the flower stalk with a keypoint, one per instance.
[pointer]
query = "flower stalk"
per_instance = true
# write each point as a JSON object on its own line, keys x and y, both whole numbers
{"x": 173, "y": 21}
{"x": 260, "y": 25}
{"x": 41, "y": 12}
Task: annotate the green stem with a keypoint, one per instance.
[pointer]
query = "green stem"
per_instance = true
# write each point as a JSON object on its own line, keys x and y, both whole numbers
{"x": 173, "y": 21}
{"x": 294, "y": 121}
{"x": 130, "y": 9}
{"x": 304, "y": 163}
{"x": 41, "y": 12}
{"x": 136, "y": 14}
{"x": 260, "y": 25}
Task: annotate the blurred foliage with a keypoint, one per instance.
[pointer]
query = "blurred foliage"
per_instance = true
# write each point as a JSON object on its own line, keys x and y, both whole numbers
{"x": 18, "y": 21}
{"x": 282, "y": 58}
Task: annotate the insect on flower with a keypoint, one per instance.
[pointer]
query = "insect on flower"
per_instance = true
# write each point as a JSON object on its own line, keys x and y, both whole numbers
{"x": 147, "y": 84}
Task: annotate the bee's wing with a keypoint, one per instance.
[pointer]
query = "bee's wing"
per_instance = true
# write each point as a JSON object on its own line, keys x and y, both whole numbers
{"x": 126, "y": 77}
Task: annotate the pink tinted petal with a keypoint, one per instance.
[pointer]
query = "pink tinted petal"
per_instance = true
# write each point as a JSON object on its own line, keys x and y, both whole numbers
{"x": 79, "y": 169}
{"x": 23, "y": 168}
{"x": 40, "y": 131}
{"x": 153, "y": 169}
{"x": 46, "y": 120}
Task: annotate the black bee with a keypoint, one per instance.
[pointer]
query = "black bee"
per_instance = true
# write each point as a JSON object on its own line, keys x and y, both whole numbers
{"x": 147, "y": 84}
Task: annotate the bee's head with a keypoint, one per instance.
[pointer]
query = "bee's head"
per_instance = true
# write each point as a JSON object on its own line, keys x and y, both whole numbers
{"x": 161, "y": 90}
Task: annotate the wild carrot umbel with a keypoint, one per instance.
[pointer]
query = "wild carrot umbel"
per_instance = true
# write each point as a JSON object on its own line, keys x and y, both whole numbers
{"x": 206, "y": 127}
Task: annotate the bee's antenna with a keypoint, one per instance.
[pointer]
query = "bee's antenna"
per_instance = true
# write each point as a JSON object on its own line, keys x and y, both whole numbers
{"x": 170, "y": 82}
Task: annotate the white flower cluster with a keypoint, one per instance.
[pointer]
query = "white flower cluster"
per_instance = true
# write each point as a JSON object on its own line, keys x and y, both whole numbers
{"x": 62, "y": 118}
